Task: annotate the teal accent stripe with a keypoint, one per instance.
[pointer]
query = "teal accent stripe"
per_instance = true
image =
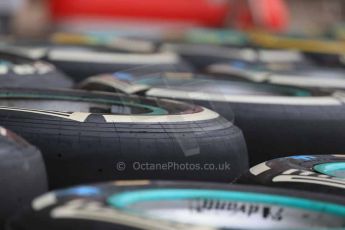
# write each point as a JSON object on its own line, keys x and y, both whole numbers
{"x": 330, "y": 169}
{"x": 5, "y": 63}
{"x": 125, "y": 199}
{"x": 154, "y": 110}
{"x": 302, "y": 93}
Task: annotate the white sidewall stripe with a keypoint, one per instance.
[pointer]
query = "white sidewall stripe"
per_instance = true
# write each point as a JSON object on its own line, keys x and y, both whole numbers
{"x": 76, "y": 116}
{"x": 219, "y": 52}
{"x": 258, "y": 169}
{"x": 99, "y": 57}
{"x": 206, "y": 114}
{"x": 306, "y": 81}
{"x": 280, "y": 56}
{"x": 3, "y": 131}
{"x": 285, "y": 100}
{"x": 256, "y": 76}
{"x": 44, "y": 201}
{"x": 307, "y": 179}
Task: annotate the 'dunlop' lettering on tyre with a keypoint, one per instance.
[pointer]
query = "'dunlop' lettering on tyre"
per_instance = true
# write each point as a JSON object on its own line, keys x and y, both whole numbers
{"x": 248, "y": 209}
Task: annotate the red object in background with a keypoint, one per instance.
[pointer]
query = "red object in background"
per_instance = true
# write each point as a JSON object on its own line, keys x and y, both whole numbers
{"x": 198, "y": 12}
{"x": 272, "y": 15}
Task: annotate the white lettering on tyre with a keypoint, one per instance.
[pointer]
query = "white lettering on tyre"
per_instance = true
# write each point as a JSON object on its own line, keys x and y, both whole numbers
{"x": 258, "y": 169}
{"x": 75, "y": 116}
{"x": 38, "y": 68}
{"x": 94, "y": 210}
{"x": 304, "y": 176}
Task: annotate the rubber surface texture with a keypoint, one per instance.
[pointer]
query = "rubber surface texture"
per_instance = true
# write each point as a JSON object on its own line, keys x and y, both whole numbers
{"x": 272, "y": 128}
{"x": 90, "y": 149}
{"x": 22, "y": 174}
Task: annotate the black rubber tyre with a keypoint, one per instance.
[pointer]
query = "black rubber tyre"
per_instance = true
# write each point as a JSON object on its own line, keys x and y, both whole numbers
{"x": 88, "y": 62}
{"x": 203, "y": 56}
{"x": 23, "y": 175}
{"x": 277, "y": 128}
{"x": 19, "y": 71}
{"x": 151, "y": 205}
{"x": 80, "y": 62}
{"x": 276, "y": 121}
{"x": 90, "y": 137}
{"x": 108, "y": 43}
{"x": 317, "y": 173}
{"x": 328, "y": 60}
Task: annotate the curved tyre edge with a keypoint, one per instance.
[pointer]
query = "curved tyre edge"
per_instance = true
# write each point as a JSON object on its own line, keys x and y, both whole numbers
{"x": 315, "y": 173}
{"x": 80, "y": 62}
{"x": 274, "y": 125}
{"x": 101, "y": 206}
{"x": 19, "y": 71}
{"x": 23, "y": 175}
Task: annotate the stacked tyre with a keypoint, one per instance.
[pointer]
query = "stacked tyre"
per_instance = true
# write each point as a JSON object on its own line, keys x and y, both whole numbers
{"x": 152, "y": 143}
{"x": 86, "y": 137}
{"x": 275, "y": 120}
{"x": 171, "y": 205}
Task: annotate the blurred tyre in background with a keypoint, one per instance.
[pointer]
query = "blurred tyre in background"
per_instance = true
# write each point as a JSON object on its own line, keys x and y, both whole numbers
{"x": 82, "y": 61}
{"x": 19, "y": 71}
{"x": 293, "y": 71}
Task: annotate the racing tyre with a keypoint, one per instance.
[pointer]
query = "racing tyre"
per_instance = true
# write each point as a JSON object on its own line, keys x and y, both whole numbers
{"x": 90, "y": 137}
{"x": 319, "y": 173}
{"x": 277, "y": 121}
{"x": 23, "y": 175}
{"x": 201, "y": 56}
{"x": 301, "y": 74}
{"x": 80, "y": 62}
{"x": 152, "y": 205}
{"x": 206, "y": 58}
{"x": 19, "y": 71}
{"x": 83, "y": 64}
